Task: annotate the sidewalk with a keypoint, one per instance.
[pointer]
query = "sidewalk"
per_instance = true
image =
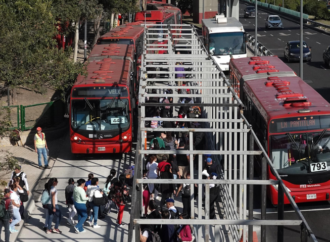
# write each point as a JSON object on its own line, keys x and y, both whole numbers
{"x": 36, "y": 177}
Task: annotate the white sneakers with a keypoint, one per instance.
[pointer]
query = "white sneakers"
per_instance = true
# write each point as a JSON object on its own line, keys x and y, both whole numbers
{"x": 205, "y": 173}
{"x": 96, "y": 226}
{"x": 89, "y": 223}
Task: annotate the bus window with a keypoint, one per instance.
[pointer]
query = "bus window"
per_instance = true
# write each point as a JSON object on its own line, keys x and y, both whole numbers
{"x": 114, "y": 41}
{"x": 227, "y": 43}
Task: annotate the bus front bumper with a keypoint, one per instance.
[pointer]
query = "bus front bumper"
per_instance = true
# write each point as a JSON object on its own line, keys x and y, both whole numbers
{"x": 301, "y": 196}
{"x": 103, "y": 148}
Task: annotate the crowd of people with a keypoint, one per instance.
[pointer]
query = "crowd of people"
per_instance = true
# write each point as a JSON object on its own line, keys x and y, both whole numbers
{"x": 174, "y": 166}
{"x": 87, "y": 201}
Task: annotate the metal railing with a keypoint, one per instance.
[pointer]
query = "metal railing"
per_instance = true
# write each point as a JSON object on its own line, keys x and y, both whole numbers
{"x": 226, "y": 134}
{"x": 261, "y": 49}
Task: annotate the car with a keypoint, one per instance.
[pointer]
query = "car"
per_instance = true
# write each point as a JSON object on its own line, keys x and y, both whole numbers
{"x": 249, "y": 11}
{"x": 292, "y": 51}
{"x": 326, "y": 57}
{"x": 273, "y": 21}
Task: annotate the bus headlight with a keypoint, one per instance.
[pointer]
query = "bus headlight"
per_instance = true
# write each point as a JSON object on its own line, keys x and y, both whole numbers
{"x": 75, "y": 138}
{"x": 125, "y": 137}
{"x": 276, "y": 187}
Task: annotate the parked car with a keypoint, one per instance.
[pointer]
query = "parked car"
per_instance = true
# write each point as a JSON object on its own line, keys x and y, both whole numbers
{"x": 273, "y": 21}
{"x": 326, "y": 56}
{"x": 249, "y": 11}
{"x": 292, "y": 51}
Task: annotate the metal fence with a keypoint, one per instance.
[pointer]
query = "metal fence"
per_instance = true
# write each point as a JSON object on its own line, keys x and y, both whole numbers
{"x": 261, "y": 49}
{"x": 42, "y": 114}
{"x": 226, "y": 137}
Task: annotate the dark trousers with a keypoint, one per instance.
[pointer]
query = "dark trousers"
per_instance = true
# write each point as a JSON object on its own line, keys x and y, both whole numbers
{"x": 21, "y": 211}
{"x": 186, "y": 204}
{"x": 5, "y": 223}
{"x": 165, "y": 195}
{"x": 214, "y": 193}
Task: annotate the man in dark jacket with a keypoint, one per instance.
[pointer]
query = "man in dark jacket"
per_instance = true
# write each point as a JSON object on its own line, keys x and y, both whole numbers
{"x": 211, "y": 166}
{"x": 154, "y": 214}
{"x": 168, "y": 231}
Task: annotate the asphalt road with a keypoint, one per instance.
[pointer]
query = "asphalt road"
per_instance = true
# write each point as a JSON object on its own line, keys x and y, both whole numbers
{"x": 317, "y": 75}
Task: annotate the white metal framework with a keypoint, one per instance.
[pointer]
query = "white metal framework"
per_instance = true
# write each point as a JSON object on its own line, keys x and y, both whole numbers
{"x": 225, "y": 129}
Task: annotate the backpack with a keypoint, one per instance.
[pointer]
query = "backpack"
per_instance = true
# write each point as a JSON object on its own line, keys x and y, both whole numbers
{"x": 156, "y": 144}
{"x": 3, "y": 211}
{"x": 153, "y": 237}
{"x": 166, "y": 101}
{"x": 186, "y": 190}
{"x": 45, "y": 198}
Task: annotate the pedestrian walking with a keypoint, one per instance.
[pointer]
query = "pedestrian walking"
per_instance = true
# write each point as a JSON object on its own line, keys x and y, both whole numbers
{"x": 109, "y": 184}
{"x": 154, "y": 214}
{"x": 16, "y": 205}
{"x": 120, "y": 196}
{"x": 168, "y": 230}
{"x": 45, "y": 199}
{"x": 80, "y": 199}
{"x": 89, "y": 181}
{"x": 146, "y": 198}
{"x": 174, "y": 213}
{"x": 6, "y": 214}
{"x": 69, "y": 200}
{"x": 184, "y": 231}
{"x": 53, "y": 207}
{"x": 21, "y": 192}
{"x": 152, "y": 174}
{"x": 182, "y": 160}
{"x": 40, "y": 146}
{"x": 166, "y": 189}
{"x": 185, "y": 188}
{"x": 93, "y": 191}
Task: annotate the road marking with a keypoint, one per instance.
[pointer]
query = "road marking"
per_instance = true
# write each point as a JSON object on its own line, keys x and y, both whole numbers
{"x": 279, "y": 39}
{"x": 297, "y": 33}
{"x": 289, "y": 30}
{"x": 253, "y": 25}
{"x": 307, "y": 38}
{"x": 308, "y": 81}
{"x": 259, "y": 35}
{"x": 283, "y": 34}
{"x": 309, "y": 33}
{"x": 318, "y": 43}
{"x": 265, "y": 31}
{"x": 323, "y": 67}
{"x": 271, "y": 35}
{"x": 249, "y": 22}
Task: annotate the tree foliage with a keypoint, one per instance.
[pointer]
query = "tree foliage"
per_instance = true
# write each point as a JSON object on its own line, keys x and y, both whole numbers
{"x": 28, "y": 53}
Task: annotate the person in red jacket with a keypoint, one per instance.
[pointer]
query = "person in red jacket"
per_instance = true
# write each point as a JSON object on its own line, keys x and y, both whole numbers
{"x": 184, "y": 231}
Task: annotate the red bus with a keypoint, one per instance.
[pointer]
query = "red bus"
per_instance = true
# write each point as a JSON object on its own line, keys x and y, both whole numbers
{"x": 101, "y": 103}
{"x": 291, "y": 120}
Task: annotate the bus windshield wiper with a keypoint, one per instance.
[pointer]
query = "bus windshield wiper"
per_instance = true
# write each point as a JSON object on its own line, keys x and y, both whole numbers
{"x": 292, "y": 140}
{"x": 89, "y": 104}
{"x": 320, "y": 137}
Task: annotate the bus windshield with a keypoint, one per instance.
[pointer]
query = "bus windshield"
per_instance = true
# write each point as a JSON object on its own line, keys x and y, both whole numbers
{"x": 227, "y": 43}
{"x": 289, "y": 150}
{"x": 100, "y": 115}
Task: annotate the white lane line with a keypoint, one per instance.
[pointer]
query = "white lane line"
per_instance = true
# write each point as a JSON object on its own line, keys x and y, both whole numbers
{"x": 271, "y": 35}
{"x": 297, "y": 33}
{"x": 307, "y": 38}
{"x": 265, "y": 31}
{"x": 249, "y": 22}
{"x": 289, "y": 30}
{"x": 253, "y": 25}
{"x": 323, "y": 67}
{"x": 279, "y": 39}
{"x": 318, "y": 43}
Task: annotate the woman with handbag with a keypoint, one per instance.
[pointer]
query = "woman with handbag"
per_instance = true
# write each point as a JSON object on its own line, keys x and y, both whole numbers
{"x": 96, "y": 199}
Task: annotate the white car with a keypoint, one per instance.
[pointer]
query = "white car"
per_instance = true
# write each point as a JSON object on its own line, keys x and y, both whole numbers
{"x": 273, "y": 21}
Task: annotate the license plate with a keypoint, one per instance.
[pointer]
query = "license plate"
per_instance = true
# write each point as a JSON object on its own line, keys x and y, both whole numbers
{"x": 311, "y": 196}
{"x": 101, "y": 148}
{"x": 319, "y": 166}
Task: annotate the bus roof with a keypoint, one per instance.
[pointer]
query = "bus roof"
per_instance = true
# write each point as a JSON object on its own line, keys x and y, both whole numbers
{"x": 232, "y": 25}
{"x": 250, "y": 68}
{"x": 125, "y": 31}
{"x": 107, "y": 65}
{"x": 272, "y": 103}
{"x": 152, "y": 15}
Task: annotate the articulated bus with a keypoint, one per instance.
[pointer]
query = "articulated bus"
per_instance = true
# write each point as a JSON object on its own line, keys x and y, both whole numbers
{"x": 291, "y": 120}
{"x": 101, "y": 104}
{"x": 224, "y": 38}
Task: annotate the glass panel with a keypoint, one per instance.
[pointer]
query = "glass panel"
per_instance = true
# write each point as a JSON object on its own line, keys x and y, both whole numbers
{"x": 100, "y": 115}
{"x": 227, "y": 43}
{"x": 289, "y": 150}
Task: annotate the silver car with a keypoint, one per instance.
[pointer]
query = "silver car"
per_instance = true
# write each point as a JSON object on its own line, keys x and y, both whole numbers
{"x": 273, "y": 21}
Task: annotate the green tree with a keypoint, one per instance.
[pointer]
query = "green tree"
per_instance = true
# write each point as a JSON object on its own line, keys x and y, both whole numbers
{"x": 28, "y": 53}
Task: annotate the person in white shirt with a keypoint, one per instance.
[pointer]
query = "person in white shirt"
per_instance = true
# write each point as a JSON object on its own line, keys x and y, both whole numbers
{"x": 16, "y": 205}
{"x": 93, "y": 190}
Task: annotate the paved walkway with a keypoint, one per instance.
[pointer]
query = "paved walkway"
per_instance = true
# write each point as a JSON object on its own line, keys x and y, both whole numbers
{"x": 66, "y": 167}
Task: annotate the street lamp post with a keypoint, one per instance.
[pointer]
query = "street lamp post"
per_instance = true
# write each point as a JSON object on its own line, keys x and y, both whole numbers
{"x": 301, "y": 70}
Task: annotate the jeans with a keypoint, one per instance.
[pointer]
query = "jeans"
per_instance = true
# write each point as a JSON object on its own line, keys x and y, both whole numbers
{"x": 42, "y": 152}
{"x": 82, "y": 215}
{"x": 95, "y": 213}
{"x": 175, "y": 176}
{"x": 5, "y": 223}
{"x": 46, "y": 217}
{"x": 16, "y": 217}
{"x": 51, "y": 215}
{"x": 72, "y": 211}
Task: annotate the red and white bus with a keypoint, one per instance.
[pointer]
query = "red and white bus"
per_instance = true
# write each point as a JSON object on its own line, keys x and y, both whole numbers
{"x": 291, "y": 120}
{"x": 101, "y": 103}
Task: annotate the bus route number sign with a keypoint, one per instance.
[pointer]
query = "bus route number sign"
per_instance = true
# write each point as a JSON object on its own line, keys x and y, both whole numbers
{"x": 118, "y": 120}
{"x": 319, "y": 166}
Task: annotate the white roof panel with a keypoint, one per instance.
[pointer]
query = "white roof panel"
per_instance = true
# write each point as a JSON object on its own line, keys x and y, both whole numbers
{"x": 232, "y": 25}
